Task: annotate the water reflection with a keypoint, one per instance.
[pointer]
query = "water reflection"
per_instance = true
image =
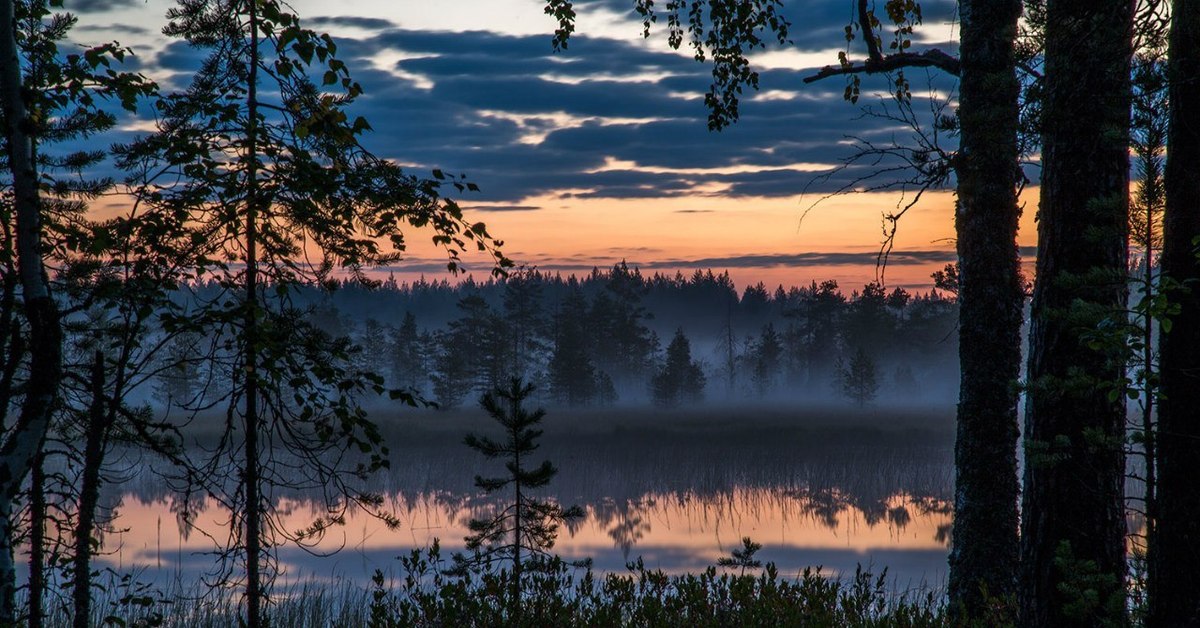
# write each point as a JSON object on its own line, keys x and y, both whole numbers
{"x": 679, "y": 499}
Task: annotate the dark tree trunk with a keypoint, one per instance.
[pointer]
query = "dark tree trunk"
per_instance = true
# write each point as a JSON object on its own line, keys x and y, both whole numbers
{"x": 983, "y": 558}
{"x": 1174, "y": 582}
{"x": 23, "y": 441}
{"x": 254, "y": 510}
{"x": 1073, "y": 525}
{"x": 89, "y": 496}
{"x": 37, "y": 541}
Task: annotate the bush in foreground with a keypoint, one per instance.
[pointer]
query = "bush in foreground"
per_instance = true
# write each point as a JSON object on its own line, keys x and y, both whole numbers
{"x": 557, "y": 594}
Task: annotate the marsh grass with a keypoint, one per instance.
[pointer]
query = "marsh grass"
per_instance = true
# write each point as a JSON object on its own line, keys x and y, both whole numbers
{"x": 310, "y": 604}
{"x": 554, "y": 594}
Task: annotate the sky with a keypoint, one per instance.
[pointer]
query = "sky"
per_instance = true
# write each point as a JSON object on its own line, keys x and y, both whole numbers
{"x": 601, "y": 153}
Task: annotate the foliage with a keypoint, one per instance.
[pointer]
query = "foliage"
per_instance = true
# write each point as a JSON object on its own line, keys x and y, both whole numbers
{"x": 725, "y": 31}
{"x": 524, "y": 530}
{"x": 259, "y": 160}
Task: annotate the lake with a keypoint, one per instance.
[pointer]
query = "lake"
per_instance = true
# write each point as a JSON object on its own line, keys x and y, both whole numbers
{"x": 815, "y": 486}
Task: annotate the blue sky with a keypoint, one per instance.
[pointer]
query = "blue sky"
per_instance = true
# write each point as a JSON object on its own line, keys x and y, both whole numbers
{"x": 601, "y": 152}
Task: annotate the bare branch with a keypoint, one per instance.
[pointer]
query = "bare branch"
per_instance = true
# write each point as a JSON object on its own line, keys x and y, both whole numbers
{"x": 932, "y": 58}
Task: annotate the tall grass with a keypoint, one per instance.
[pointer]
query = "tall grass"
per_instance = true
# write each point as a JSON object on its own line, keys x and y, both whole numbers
{"x": 557, "y": 594}
{"x": 554, "y": 594}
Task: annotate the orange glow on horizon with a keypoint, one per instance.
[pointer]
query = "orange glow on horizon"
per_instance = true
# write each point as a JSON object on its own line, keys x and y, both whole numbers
{"x": 754, "y": 239}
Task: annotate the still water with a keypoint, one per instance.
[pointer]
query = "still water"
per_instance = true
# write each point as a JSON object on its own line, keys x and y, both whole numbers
{"x": 822, "y": 488}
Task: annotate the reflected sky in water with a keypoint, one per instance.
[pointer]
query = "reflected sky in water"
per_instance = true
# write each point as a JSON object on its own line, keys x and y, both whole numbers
{"x": 840, "y": 494}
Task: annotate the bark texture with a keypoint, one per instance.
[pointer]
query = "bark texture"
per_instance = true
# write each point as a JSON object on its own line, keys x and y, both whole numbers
{"x": 1073, "y": 526}
{"x": 23, "y": 441}
{"x": 1174, "y": 582}
{"x": 983, "y": 558}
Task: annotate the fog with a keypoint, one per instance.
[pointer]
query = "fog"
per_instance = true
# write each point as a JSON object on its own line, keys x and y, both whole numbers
{"x": 605, "y": 340}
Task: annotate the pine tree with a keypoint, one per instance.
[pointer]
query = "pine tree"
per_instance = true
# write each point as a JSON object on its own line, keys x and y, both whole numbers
{"x": 525, "y": 321}
{"x": 621, "y": 344}
{"x": 523, "y": 531}
{"x": 373, "y": 346}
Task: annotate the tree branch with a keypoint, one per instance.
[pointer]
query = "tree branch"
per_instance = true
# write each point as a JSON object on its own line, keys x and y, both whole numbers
{"x": 868, "y": 32}
{"x": 932, "y": 58}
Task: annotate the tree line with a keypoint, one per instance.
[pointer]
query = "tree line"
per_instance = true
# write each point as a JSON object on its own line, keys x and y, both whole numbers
{"x": 620, "y": 336}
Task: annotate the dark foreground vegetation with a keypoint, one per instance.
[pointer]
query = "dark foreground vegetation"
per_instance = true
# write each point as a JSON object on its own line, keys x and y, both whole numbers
{"x": 558, "y": 594}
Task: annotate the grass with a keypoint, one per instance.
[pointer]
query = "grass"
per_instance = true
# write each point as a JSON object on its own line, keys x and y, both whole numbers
{"x": 554, "y": 594}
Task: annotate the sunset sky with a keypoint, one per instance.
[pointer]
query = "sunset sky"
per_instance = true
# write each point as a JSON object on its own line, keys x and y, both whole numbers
{"x": 601, "y": 153}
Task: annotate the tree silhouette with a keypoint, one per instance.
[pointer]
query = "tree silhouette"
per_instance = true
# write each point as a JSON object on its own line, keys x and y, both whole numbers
{"x": 1073, "y": 547}
{"x": 523, "y": 530}
{"x": 857, "y": 378}
{"x": 47, "y": 96}
{"x": 681, "y": 379}
{"x": 743, "y": 557}
{"x": 408, "y": 360}
{"x": 266, "y": 168}
{"x": 767, "y": 357}
{"x": 1174, "y": 580}
{"x": 572, "y": 373}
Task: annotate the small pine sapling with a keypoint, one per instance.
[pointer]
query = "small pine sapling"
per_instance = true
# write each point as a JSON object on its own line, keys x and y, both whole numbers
{"x": 522, "y": 531}
{"x": 742, "y": 557}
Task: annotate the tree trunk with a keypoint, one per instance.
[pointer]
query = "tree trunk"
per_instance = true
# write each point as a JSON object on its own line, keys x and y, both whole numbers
{"x": 37, "y": 541}
{"x": 22, "y": 443}
{"x": 89, "y": 496}
{"x": 983, "y": 557}
{"x": 1073, "y": 526}
{"x": 253, "y": 516}
{"x": 1175, "y": 548}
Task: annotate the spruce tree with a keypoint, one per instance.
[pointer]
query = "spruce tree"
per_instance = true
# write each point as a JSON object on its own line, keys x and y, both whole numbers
{"x": 768, "y": 360}
{"x": 681, "y": 379}
{"x": 572, "y": 373}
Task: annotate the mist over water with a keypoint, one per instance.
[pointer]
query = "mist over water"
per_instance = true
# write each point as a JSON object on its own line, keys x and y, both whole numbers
{"x": 817, "y": 486}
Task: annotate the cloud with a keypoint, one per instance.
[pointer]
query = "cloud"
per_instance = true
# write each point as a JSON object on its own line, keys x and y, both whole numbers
{"x": 369, "y": 23}
{"x": 649, "y": 259}
{"x": 503, "y": 208}
{"x": 798, "y": 260}
{"x": 128, "y": 30}
{"x": 522, "y": 121}
{"x": 96, "y": 6}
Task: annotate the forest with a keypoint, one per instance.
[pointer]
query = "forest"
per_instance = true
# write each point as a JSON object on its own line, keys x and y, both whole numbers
{"x": 616, "y": 336}
{"x": 189, "y": 277}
